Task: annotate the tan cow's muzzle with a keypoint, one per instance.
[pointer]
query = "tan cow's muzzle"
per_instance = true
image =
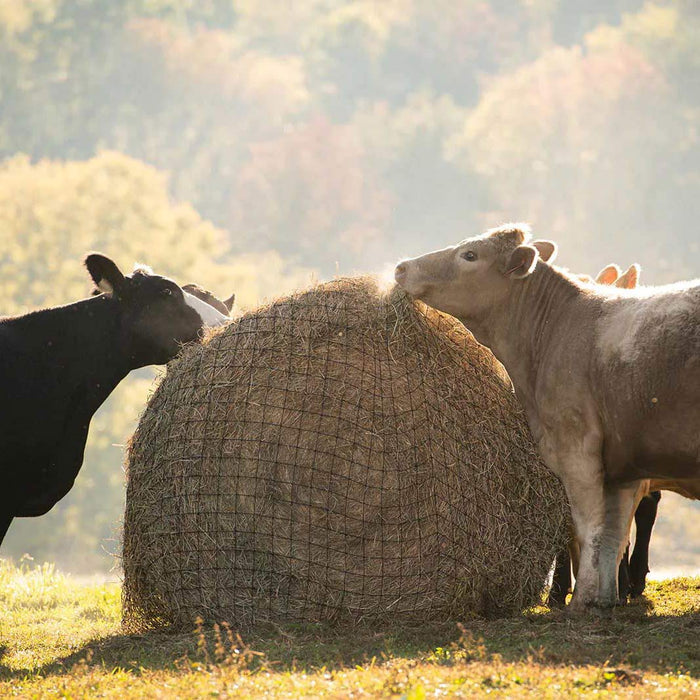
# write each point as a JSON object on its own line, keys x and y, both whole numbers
{"x": 400, "y": 272}
{"x": 407, "y": 276}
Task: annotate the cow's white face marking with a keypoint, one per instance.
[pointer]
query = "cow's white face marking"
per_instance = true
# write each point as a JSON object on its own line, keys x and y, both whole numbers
{"x": 209, "y": 315}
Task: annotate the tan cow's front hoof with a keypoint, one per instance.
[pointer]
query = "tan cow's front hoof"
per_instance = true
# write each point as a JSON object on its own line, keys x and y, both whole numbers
{"x": 579, "y": 607}
{"x": 576, "y": 608}
{"x": 602, "y": 611}
{"x": 590, "y": 611}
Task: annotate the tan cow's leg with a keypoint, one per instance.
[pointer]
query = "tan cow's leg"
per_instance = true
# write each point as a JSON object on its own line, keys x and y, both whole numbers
{"x": 587, "y": 502}
{"x": 620, "y": 503}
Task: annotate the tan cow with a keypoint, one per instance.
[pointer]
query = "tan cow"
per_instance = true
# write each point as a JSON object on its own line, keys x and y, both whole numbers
{"x": 632, "y": 572}
{"x": 609, "y": 378}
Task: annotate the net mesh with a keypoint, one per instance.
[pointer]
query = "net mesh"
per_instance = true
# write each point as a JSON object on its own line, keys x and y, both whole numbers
{"x": 340, "y": 454}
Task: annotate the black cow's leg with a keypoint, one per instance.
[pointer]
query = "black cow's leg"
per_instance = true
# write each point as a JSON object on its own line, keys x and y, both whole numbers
{"x": 644, "y": 517}
{"x": 561, "y": 580}
{"x": 5, "y": 522}
{"x": 623, "y": 577}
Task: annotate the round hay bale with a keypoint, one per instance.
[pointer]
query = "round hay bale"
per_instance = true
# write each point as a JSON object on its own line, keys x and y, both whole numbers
{"x": 340, "y": 454}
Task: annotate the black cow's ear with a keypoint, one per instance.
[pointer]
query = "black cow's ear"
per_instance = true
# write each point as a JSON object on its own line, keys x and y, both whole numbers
{"x": 228, "y": 303}
{"x": 106, "y": 275}
{"x": 522, "y": 261}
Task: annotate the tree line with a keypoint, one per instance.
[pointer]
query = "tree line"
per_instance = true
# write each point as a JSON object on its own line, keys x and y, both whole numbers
{"x": 249, "y": 146}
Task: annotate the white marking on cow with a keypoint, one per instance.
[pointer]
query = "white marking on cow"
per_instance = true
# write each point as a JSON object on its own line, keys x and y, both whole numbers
{"x": 618, "y": 338}
{"x": 209, "y": 315}
{"x": 619, "y": 331}
{"x": 105, "y": 287}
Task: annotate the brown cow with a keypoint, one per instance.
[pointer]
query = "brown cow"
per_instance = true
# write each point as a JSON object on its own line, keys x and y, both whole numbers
{"x": 609, "y": 379}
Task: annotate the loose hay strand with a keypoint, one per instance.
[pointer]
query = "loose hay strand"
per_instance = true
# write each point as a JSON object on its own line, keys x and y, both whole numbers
{"x": 341, "y": 454}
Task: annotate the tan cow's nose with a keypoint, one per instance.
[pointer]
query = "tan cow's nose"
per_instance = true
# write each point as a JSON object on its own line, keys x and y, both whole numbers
{"x": 400, "y": 271}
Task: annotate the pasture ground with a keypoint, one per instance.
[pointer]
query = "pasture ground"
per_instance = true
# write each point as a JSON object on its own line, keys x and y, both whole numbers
{"x": 60, "y": 638}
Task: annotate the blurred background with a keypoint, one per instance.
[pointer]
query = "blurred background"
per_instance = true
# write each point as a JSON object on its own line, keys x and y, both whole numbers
{"x": 255, "y": 145}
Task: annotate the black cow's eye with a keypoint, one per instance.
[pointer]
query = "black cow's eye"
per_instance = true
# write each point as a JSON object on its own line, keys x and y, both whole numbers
{"x": 167, "y": 292}
{"x": 469, "y": 255}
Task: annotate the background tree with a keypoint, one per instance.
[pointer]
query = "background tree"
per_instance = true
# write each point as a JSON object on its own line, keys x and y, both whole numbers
{"x": 577, "y": 141}
{"x": 51, "y": 214}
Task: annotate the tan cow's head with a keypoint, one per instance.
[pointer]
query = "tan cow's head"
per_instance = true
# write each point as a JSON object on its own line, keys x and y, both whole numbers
{"x": 468, "y": 279}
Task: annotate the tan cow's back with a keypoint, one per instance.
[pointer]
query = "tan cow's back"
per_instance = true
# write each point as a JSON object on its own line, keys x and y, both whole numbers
{"x": 646, "y": 374}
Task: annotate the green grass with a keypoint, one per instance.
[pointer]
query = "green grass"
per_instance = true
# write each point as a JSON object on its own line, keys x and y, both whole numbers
{"x": 62, "y": 639}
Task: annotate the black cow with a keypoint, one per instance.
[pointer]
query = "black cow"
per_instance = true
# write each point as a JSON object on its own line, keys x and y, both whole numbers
{"x": 57, "y": 366}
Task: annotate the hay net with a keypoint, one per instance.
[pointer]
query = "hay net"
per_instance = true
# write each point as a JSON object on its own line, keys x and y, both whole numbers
{"x": 341, "y": 454}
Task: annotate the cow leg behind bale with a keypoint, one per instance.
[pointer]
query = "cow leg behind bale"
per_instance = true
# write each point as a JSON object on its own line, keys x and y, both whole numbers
{"x": 561, "y": 580}
{"x": 644, "y": 517}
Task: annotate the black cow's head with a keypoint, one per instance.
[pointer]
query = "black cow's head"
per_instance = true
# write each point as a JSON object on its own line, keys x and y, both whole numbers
{"x": 156, "y": 315}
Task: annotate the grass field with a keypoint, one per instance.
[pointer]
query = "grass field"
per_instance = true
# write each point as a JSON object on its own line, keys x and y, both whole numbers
{"x": 59, "y": 638}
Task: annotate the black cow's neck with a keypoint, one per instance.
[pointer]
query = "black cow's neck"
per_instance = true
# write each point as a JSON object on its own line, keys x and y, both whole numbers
{"x": 82, "y": 340}
{"x": 59, "y": 365}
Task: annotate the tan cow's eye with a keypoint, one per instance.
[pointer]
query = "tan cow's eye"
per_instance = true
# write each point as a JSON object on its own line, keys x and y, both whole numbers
{"x": 469, "y": 255}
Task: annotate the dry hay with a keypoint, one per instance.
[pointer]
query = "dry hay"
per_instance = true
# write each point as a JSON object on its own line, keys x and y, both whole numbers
{"x": 341, "y": 454}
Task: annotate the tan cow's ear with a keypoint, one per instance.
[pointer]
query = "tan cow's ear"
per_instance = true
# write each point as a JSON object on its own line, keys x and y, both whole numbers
{"x": 631, "y": 277}
{"x": 546, "y": 249}
{"x": 608, "y": 274}
{"x": 522, "y": 261}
